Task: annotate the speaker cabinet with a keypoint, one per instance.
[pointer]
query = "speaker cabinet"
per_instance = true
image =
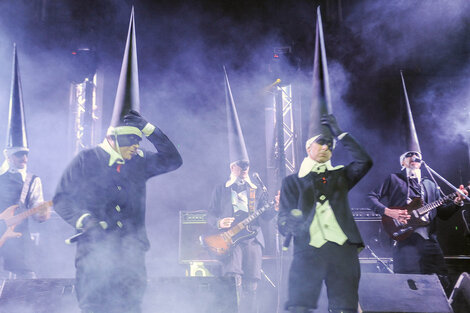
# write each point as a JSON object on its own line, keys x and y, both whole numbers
{"x": 38, "y": 296}
{"x": 407, "y": 293}
{"x": 372, "y": 233}
{"x": 460, "y": 297}
{"x": 191, "y": 295}
{"x": 193, "y": 224}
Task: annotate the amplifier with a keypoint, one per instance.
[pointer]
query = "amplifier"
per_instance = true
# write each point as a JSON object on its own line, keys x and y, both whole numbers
{"x": 373, "y": 234}
{"x": 193, "y": 224}
{"x": 365, "y": 214}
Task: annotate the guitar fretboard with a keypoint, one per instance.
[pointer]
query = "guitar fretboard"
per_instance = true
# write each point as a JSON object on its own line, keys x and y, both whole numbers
{"x": 430, "y": 206}
{"x": 240, "y": 226}
{"x": 21, "y": 216}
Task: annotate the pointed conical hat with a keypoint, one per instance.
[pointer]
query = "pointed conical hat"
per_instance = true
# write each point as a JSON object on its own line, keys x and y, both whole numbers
{"x": 127, "y": 94}
{"x": 16, "y": 130}
{"x": 236, "y": 141}
{"x": 321, "y": 96}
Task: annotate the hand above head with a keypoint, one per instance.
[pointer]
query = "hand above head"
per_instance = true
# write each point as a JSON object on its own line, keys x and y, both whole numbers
{"x": 133, "y": 118}
{"x": 330, "y": 121}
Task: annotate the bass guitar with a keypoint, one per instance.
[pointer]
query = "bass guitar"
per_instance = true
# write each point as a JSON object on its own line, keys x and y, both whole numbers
{"x": 400, "y": 231}
{"x": 220, "y": 244}
{"x": 8, "y": 220}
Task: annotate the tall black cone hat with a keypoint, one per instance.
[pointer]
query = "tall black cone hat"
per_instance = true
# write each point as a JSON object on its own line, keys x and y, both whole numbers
{"x": 127, "y": 94}
{"x": 236, "y": 141}
{"x": 412, "y": 143}
{"x": 321, "y": 96}
{"x": 16, "y": 131}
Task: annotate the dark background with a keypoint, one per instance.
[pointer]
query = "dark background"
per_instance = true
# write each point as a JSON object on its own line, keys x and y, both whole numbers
{"x": 182, "y": 46}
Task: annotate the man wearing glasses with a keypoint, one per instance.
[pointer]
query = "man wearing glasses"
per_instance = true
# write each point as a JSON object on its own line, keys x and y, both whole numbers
{"x": 420, "y": 252}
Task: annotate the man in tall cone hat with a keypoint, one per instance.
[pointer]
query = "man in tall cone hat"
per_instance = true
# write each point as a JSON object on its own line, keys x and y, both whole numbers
{"x": 102, "y": 195}
{"x": 419, "y": 252}
{"x": 234, "y": 200}
{"x": 18, "y": 186}
{"x": 314, "y": 207}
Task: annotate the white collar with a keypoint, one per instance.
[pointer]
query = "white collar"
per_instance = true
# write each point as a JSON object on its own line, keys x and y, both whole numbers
{"x": 233, "y": 179}
{"x": 413, "y": 173}
{"x": 114, "y": 156}
{"x": 7, "y": 168}
{"x": 308, "y": 165}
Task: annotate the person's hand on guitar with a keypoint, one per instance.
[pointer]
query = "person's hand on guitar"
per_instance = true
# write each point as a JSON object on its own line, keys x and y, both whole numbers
{"x": 225, "y": 222}
{"x": 43, "y": 214}
{"x": 460, "y": 198}
{"x": 400, "y": 215}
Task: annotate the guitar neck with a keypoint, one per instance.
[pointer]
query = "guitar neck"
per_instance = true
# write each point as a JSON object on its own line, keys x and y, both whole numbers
{"x": 431, "y": 206}
{"x": 23, "y": 215}
{"x": 240, "y": 226}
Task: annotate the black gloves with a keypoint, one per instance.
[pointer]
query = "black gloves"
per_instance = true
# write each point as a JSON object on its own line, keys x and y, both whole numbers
{"x": 293, "y": 223}
{"x": 89, "y": 222}
{"x": 330, "y": 121}
{"x": 133, "y": 118}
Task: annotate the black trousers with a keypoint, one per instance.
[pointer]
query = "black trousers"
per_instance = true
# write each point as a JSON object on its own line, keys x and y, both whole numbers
{"x": 110, "y": 275}
{"x": 416, "y": 255}
{"x": 245, "y": 260}
{"x": 337, "y": 265}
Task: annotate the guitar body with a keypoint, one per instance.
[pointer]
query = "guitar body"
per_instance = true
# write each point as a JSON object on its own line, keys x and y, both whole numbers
{"x": 8, "y": 230}
{"x": 220, "y": 244}
{"x": 400, "y": 231}
{"x": 8, "y": 220}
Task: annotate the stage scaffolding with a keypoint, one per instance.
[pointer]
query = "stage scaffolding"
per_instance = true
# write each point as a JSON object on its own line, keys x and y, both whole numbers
{"x": 282, "y": 138}
{"x": 84, "y": 114}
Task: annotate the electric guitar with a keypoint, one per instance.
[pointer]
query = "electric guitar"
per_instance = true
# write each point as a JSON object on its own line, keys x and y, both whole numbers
{"x": 400, "y": 231}
{"x": 220, "y": 244}
{"x": 8, "y": 220}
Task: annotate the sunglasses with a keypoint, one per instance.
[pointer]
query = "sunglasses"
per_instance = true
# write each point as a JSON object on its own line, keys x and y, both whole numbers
{"x": 243, "y": 164}
{"x": 325, "y": 141}
{"x": 128, "y": 140}
{"x": 410, "y": 154}
{"x": 20, "y": 154}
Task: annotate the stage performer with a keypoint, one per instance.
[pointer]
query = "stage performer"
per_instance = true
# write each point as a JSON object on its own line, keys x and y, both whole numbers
{"x": 102, "y": 194}
{"x": 19, "y": 187}
{"x": 314, "y": 208}
{"x": 232, "y": 201}
{"x": 418, "y": 253}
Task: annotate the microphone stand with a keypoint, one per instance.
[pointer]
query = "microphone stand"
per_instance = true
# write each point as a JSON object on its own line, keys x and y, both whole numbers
{"x": 431, "y": 172}
{"x": 379, "y": 259}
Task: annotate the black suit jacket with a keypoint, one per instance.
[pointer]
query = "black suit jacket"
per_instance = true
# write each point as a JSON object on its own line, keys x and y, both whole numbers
{"x": 302, "y": 193}
{"x": 394, "y": 192}
{"x": 90, "y": 185}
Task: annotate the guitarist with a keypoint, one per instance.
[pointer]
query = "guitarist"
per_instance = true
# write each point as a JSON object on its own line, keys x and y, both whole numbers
{"x": 18, "y": 187}
{"x": 420, "y": 253}
{"x": 232, "y": 199}
{"x": 237, "y": 197}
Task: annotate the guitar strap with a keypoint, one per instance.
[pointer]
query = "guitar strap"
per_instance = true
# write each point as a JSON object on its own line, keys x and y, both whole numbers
{"x": 252, "y": 200}
{"x": 26, "y": 186}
